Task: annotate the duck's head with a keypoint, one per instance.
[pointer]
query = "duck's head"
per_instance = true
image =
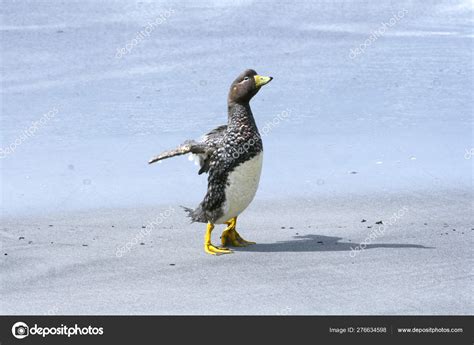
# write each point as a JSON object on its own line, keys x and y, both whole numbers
{"x": 246, "y": 86}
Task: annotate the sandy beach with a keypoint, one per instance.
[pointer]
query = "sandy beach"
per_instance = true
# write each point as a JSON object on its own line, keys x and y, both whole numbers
{"x": 303, "y": 263}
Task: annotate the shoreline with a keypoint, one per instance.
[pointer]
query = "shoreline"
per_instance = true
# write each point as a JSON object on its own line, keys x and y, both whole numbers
{"x": 338, "y": 197}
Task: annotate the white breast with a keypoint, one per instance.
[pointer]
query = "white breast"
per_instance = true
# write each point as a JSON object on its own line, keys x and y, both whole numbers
{"x": 242, "y": 185}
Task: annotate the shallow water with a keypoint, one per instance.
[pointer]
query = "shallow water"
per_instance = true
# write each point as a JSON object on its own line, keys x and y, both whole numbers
{"x": 397, "y": 117}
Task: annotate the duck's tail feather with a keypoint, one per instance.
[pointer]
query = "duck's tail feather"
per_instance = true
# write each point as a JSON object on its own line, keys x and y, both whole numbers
{"x": 196, "y": 215}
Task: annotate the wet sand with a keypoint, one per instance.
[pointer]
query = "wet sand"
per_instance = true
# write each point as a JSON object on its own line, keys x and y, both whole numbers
{"x": 325, "y": 256}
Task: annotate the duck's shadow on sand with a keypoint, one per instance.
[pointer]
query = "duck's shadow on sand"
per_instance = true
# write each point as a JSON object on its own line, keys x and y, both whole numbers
{"x": 317, "y": 243}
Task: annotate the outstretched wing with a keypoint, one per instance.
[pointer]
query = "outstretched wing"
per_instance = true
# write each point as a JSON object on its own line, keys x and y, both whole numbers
{"x": 189, "y": 146}
{"x": 214, "y": 137}
{"x": 203, "y": 149}
{"x": 214, "y": 140}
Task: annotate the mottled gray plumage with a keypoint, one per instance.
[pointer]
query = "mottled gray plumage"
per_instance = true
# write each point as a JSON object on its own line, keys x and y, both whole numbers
{"x": 224, "y": 148}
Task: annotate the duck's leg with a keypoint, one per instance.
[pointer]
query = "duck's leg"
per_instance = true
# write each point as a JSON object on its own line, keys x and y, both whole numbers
{"x": 230, "y": 236}
{"x": 209, "y": 247}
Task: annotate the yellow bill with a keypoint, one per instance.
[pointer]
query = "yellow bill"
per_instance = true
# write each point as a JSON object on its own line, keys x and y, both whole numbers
{"x": 261, "y": 80}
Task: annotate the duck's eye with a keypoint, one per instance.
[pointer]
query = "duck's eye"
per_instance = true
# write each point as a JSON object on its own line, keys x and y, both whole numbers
{"x": 246, "y": 78}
